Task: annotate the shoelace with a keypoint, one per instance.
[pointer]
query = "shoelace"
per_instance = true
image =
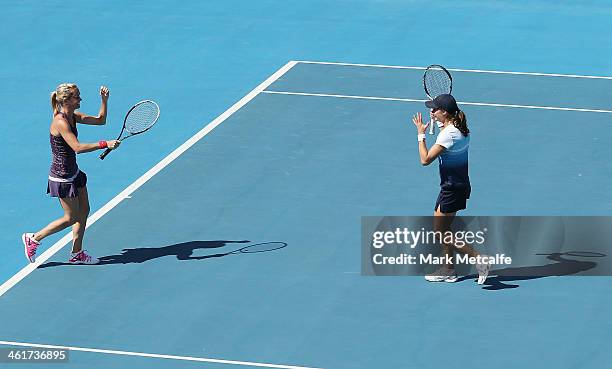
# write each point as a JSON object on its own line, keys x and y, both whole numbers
{"x": 31, "y": 246}
{"x": 83, "y": 256}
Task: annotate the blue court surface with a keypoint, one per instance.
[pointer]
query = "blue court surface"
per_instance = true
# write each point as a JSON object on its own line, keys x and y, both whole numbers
{"x": 283, "y": 123}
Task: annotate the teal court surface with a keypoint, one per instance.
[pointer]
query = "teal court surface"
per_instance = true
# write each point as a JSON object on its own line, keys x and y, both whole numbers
{"x": 295, "y": 164}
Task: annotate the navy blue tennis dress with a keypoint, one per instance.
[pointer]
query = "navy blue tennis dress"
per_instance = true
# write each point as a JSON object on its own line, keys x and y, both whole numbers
{"x": 65, "y": 178}
{"x": 455, "y": 186}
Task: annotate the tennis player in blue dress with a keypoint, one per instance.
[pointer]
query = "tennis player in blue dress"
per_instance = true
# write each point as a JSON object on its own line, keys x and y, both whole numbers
{"x": 451, "y": 149}
{"x": 66, "y": 181}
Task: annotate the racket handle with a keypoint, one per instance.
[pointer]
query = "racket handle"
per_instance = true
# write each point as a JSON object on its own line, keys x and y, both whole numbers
{"x": 431, "y": 126}
{"x": 106, "y": 152}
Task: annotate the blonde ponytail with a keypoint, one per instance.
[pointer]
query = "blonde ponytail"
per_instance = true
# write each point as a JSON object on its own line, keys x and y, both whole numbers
{"x": 54, "y": 102}
{"x": 62, "y": 93}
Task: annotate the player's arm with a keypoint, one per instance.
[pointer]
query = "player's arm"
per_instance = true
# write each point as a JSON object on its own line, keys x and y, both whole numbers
{"x": 100, "y": 119}
{"x": 63, "y": 127}
{"x": 428, "y": 156}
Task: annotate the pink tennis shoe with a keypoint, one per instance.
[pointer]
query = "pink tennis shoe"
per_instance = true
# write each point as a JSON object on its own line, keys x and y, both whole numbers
{"x": 82, "y": 257}
{"x": 29, "y": 246}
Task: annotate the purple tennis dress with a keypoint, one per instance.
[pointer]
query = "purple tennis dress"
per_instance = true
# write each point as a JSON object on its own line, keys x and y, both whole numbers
{"x": 65, "y": 178}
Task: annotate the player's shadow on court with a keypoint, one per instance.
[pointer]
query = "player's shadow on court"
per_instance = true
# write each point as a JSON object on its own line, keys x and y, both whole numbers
{"x": 562, "y": 267}
{"x": 182, "y": 251}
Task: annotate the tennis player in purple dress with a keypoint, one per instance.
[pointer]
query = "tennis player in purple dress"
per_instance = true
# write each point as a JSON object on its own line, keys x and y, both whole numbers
{"x": 66, "y": 181}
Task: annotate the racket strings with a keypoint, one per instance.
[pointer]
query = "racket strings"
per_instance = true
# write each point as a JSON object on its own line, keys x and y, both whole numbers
{"x": 437, "y": 82}
{"x": 142, "y": 117}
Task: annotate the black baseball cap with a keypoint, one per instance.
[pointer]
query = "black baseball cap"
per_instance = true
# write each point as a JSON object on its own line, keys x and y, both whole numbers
{"x": 445, "y": 102}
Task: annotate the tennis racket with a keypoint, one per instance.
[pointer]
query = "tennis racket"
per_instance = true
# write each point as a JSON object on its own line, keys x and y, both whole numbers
{"x": 139, "y": 119}
{"x": 436, "y": 81}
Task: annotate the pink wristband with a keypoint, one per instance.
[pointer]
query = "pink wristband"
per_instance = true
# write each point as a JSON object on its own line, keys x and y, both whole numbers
{"x": 103, "y": 144}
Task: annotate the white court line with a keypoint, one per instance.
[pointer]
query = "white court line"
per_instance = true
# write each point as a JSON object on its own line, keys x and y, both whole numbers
{"x": 154, "y": 356}
{"x": 458, "y": 70}
{"x": 421, "y": 100}
{"x": 145, "y": 177}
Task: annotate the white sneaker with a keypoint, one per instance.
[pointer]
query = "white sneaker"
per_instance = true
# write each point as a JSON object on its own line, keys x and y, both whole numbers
{"x": 443, "y": 274}
{"x": 483, "y": 271}
{"x": 82, "y": 257}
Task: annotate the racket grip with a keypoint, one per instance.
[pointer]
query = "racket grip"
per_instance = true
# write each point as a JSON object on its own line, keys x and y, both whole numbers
{"x": 106, "y": 152}
{"x": 431, "y": 126}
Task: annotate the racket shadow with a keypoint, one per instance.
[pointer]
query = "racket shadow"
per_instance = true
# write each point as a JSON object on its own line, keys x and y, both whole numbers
{"x": 563, "y": 266}
{"x": 182, "y": 251}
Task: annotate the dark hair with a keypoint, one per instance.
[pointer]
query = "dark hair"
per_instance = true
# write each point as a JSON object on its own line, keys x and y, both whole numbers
{"x": 460, "y": 121}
